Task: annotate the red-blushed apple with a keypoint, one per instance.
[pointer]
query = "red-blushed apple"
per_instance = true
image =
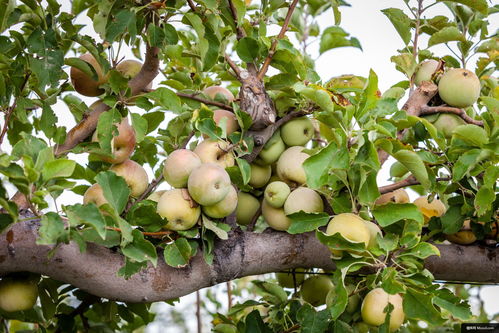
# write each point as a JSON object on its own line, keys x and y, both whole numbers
{"x": 85, "y": 84}
{"x": 179, "y": 165}
{"x": 275, "y": 217}
{"x": 430, "y": 209}
{"x": 17, "y": 294}
{"x": 122, "y": 145}
{"x": 314, "y": 289}
{"x": 213, "y": 91}
{"x": 215, "y": 151}
{"x": 260, "y": 175}
{"x": 459, "y": 87}
{"x": 247, "y": 207}
{"x": 179, "y": 210}
{"x": 290, "y": 165}
{"x": 303, "y": 199}
{"x": 208, "y": 184}
{"x": 231, "y": 124}
{"x": 397, "y": 196}
{"x": 94, "y": 195}
{"x": 373, "y": 306}
{"x": 297, "y": 132}
{"x": 276, "y": 193}
{"x": 135, "y": 176}
{"x": 223, "y": 208}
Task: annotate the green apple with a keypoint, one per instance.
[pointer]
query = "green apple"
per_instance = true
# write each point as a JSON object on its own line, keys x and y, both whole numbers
{"x": 397, "y": 196}
{"x": 85, "y": 84}
{"x": 275, "y": 217}
{"x": 353, "y": 300}
{"x": 122, "y": 145}
{"x": 260, "y": 175}
{"x": 459, "y": 87}
{"x": 223, "y": 208}
{"x": 303, "y": 199}
{"x": 446, "y": 123}
{"x": 17, "y": 294}
{"x": 297, "y": 132}
{"x": 135, "y": 176}
{"x": 425, "y": 71}
{"x": 271, "y": 150}
{"x": 94, "y": 195}
{"x": 178, "y": 166}
{"x": 285, "y": 279}
{"x": 247, "y": 207}
{"x": 276, "y": 193}
{"x": 290, "y": 165}
{"x": 373, "y": 306}
{"x": 154, "y": 196}
{"x": 314, "y": 290}
{"x": 213, "y": 91}
{"x": 373, "y": 231}
{"x": 208, "y": 184}
{"x": 179, "y": 210}
{"x": 215, "y": 151}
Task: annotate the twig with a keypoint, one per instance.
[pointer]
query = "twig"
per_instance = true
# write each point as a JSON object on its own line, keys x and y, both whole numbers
{"x": 273, "y": 47}
{"x": 292, "y": 329}
{"x": 229, "y": 295}
{"x": 232, "y": 65}
{"x": 10, "y": 110}
{"x": 427, "y": 110}
{"x": 206, "y": 101}
{"x": 239, "y": 31}
{"x": 191, "y": 5}
{"x": 198, "y": 311}
{"x": 416, "y": 37}
{"x": 409, "y": 181}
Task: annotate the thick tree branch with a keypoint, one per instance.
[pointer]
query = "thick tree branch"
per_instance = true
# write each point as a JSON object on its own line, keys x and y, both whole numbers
{"x": 273, "y": 46}
{"x": 427, "y": 110}
{"x": 243, "y": 254}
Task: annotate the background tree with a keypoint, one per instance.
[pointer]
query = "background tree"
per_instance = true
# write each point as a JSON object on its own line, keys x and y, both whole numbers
{"x": 97, "y": 264}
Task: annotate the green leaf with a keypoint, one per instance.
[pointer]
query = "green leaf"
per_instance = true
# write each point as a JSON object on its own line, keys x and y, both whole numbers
{"x": 255, "y": 324}
{"x": 317, "y": 167}
{"x": 401, "y": 22}
{"x": 334, "y": 37}
{"x": 166, "y": 98}
{"x": 58, "y": 169}
{"x": 179, "y": 253}
{"x": 465, "y": 163}
{"x": 304, "y": 222}
{"x": 452, "y": 220}
{"x": 415, "y": 165}
{"x": 393, "y": 212}
{"x": 419, "y": 306}
{"x": 390, "y": 282}
{"x": 118, "y": 25}
{"x": 273, "y": 292}
{"x": 445, "y": 35}
{"x": 140, "y": 249}
{"x": 140, "y": 126}
{"x": 422, "y": 251}
{"x": 369, "y": 98}
{"x": 82, "y": 65}
{"x": 312, "y": 321}
{"x": 116, "y": 190}
{"x": 218, "y": 228}
{"x": 88, "y": 215}
{"x": 472, "y": 134}
{"x": 245, "y": 169}
{"x": 155, "y": 35}
{"x": 388, "y": 242}
{"x": 337, "y": 242}
{"x": 405, "y": 63}
{"x": 52, "y": 229}
{"x": 247, "y": 49}
{"x": 457, "y": 307}
{"x": 106, "y": 129}
{"x": 480, "y": 5}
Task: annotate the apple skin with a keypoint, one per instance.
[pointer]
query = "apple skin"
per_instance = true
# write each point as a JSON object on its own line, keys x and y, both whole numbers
{"x": 425, "y": 71}
{"x": 276, "y": 194}
{"x": 314, "y": 289}
{"x": 465, "y": 236}
{"x": 83, "y": 83}
{"x": 260, "y": 175}
{"x": 272, "y": 150}
{"x": 285, "y": 279}
{"x": 208, "y": 184}
{"x": 275, "y": 217}
{"x": 17, "y": 295}
{"x": 446, "y": 123}
{"x": 230, "y": 120}
{"x": 212, "y": 92}
{"x": 223, "y": 208}
{"x": 180, "y": 212}
{"x": 178, "y": 166}
{"x": 247, "y": 207}
{"x": 303, "y": 199}
{"x": 435, "y": 208}
{"x": 459, "y": 87}
{"x": 94, "y": 195}
{"x": 122, "y": 145}
{"x": 373, "y": 231}
{"x": 351, "y": 227}
{"x": 212, "y": 151}
{"x": 129, "y": 69}
{"x": 290, "y": 165}
{"x": 397, "y": 196}
{"x": 375, "y": 302}
{"x": 154, "y": 196}
{"x": 135, "y": 176}
{"x": 297, "y": 132}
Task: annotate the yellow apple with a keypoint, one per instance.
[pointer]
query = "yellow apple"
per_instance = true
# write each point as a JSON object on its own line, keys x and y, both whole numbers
{"x": 271, "y": 150}
{"x": 425, "y": 71}
{"x": 223, "y": 208}
{"x": 435, "y": 208}
{"x": 208, "y": 184}
{"x": 285, "y": 279}
{"x": 275, "y": 217}
{"x": 17, "y": 294}
{"x": 215, "y": 151}
{"x": 446, "y": 123}
{"x": 373, "y": 306}
{"x": 154, "y": 196}
{"x": 180, "y": 212}
{"x": 397, "y": 196}
{"x": 465, "y": 236}
{"x": 135, "y": 176}
{"x": 247, "y": 207}
{"x": 351, "y": 227}
{"x": 303, "y": 199}
{"x": 290, "y": 165}
{"x": 178, "y": 166}
{"x": 231, "y": 124}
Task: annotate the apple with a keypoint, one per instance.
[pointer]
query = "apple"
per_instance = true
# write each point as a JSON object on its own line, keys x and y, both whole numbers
{"x": 225, "y": 328}
{"x": 276, "y": 193}
{"x": 372, "y": 309}
{"x": 275, "y": 217}
{"x": 154, "y": 196}
{"x": 446, "y": 123}
{"x": 223, "y": 208}
{"x": 314, "y": 289}
{"x": 135, "y": 176}
{"x": 179, "y": 210}
{"x": 425, "y": 71}
{"x": 459, "y": 87}
{"x": 179, "y": 165}
{"x": 208, "y": 184}
{"x": 303, "y": 199}
{"x": 351, "y": 227}
{"x": 285, "y": 279}
{"x": 213, "y": 91}
{"x": 353, "y": 300}
{"x": 260, "y": 175}
{"x": 85, "y": 84}
{"x": 231, "y": 123}
{"x": 129, "y": 69}
{"x": 271, "y": 150}
{"x": 247, "y": 207}
{"x": 465, "y": 236}
{"x": 94, "y": 195}
{"x": 290, "y": 165}
{"x": 397, "y": 196}
{"x": 17, "y": 294}
{"x": 373, "y": 231}
{"x": 435, "y": 208}
{"x": 215, "y": 151}
{"x": 297, "y": 132}
{"x": 122, "y": 145}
